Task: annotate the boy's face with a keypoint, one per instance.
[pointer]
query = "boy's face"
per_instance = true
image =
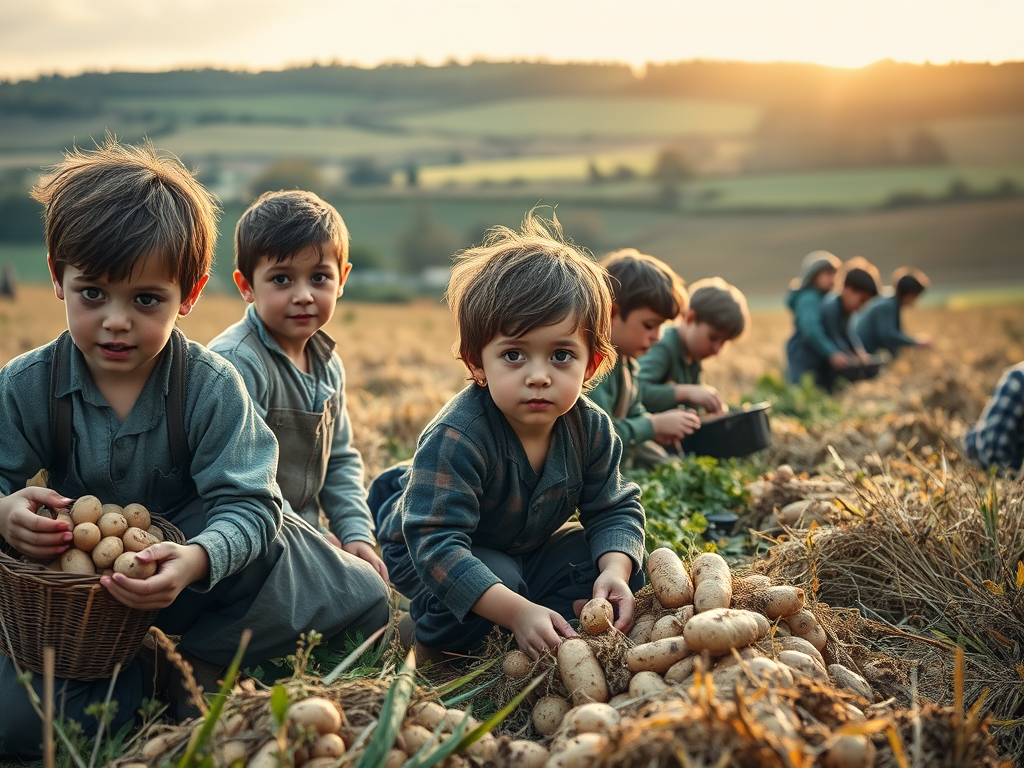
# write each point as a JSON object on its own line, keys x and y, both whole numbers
{"x": 702, "y": 340}
{"x": 296, "y": 297}
{"x": 121, "y": 328}
{"x": 536, "y": 377}
{"x": 825, "y": 280}
{"x": 854, "y": 300}
{"x": 634, "y": 335}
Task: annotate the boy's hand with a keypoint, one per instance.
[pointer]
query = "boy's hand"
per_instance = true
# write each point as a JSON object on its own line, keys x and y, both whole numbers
{"x": 672, "y": 426}
{"x": 538, "y": 629}
{"x": 700, "y": 396}
{"x": 841, "y": 360}
{"x": 613, "y": 585}
{"x": 365, "y": 551}
{"x": 177, "y": 567}
{"x": 37, "y": 536}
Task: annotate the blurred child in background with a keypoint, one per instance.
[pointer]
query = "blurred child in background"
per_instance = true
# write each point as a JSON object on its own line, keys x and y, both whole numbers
{"x": 670, "y": 372}
{"x": 291, "y": 263}
{"x": 860, "y": 285}
{"x": 646, "y": 293}
{"x": 476, "y": 530}
{"x": 879, "y": 325}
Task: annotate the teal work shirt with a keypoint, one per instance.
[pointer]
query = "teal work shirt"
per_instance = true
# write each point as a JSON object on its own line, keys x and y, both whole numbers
{"x": 234, "y": 454}
{"x": 635, "y": 426}
{"x": 878, "y": 326}
{"x": 664, "y": 366}
{"x": 322, "y": 469}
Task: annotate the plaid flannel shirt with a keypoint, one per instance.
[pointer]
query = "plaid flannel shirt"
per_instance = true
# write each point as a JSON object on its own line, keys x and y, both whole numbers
{"x": 471, "y": 484}
{"x": 997, "y": 440}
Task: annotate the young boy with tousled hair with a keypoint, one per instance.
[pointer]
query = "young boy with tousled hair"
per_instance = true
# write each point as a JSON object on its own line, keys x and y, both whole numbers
{"x": 646, "y": 294}
{"x": 670, "y": 372}
{"x": 860, "y": 285}
{"x": 879, "y": 325}
{"x": 476, "y": 530}
{"x": 291, "y": 263}
{"x": 123, "y": 407}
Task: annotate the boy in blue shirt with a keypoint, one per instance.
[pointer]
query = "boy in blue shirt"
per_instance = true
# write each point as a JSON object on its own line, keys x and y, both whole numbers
{"x": 878, "y": 325}
{"x": 646, "y": 293}
{"x": 291, "y": 263}
{"x": 122, "y": 406}
{"x": 809, "y": 350}
{"x": 475, "y": 532}
{"x": 860, "y": 285}
{"x": 670, "y": 372}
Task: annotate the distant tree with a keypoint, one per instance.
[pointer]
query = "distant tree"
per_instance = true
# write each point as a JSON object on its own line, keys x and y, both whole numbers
{"x": 412, "y": 174}
{"x": 289, "y": 174}
{"x": 20, "y": 218}
{"x": 594, "y": 175}
{"x": 366, "y": 173}
{"x": 671, "y": 166}
{"x": 426, "y": 243}
{"x": 623, "y": 173}
{"x": 365, "y": 256}
{"x": 924, "y": 149}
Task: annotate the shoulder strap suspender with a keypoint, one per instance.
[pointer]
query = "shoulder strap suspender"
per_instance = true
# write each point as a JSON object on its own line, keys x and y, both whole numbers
{"x": 61, "y": 407}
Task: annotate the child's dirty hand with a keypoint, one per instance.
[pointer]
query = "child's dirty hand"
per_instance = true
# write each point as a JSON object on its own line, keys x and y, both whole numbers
{"x": 611, "y": 585}
{"x": 365, "y": 551}
{"x": 538, "y": 629}
{"x": 177, "y": 566}
{"x": 672, "y": 426}
{"x": 37, "y": 536}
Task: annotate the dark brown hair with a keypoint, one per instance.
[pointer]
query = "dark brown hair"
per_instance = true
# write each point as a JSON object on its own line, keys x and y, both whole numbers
{"x": 107, "y": 208}
{"x": 517, "y": 281}
{"x": 908, "y": 281}
{"x": 639, "y": 281}
{"x": 280, "y": 224}
{"x": 861, "y": 275}
{"x": 720, "y": 305}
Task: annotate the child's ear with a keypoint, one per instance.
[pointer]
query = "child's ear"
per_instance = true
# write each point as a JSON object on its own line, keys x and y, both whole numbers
{"x": 344, "y": 276}
{"x": 690, "y": 317}
{"x": 193, "y": 297}
{"x": 57, "y": 287}
{"x": 615, "y": 309}
{"x": 243, "y": 286}
{"x": 595, "y": 362}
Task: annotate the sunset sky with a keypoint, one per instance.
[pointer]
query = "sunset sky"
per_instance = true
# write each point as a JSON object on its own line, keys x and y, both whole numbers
{"x": 71, "y": 36}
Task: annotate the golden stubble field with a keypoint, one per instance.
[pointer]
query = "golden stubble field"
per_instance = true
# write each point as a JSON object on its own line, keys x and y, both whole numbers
{"x": 401, "y": 369}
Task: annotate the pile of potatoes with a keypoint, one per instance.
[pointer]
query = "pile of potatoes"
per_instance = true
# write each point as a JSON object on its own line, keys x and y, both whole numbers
{"x": 761, "y": 635}
{"x": 106, "y": 539}
{"x": 784, "y": 499}
{"x": 318, "y": 735}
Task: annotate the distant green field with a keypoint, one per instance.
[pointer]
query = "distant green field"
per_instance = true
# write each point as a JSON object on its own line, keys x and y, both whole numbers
{"x": 573, "y": 167}
{"x": 596, "y": 117}
{"x": 311, "y": 107}
{"x": 992, "y": 140}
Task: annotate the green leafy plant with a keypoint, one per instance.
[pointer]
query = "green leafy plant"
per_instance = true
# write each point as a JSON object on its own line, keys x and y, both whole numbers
{"x": 803, "y": 401}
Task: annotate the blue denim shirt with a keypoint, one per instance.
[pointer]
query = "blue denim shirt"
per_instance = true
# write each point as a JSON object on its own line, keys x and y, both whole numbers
{"x": 234, "y": 454}
{"x": 274, "y": 381}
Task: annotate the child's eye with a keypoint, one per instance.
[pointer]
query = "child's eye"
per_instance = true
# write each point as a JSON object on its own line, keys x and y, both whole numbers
{"x": 91, "y": 294}
{"x": 513, "y": 356}
{"x": 563, "y": 356}
{"x": 320, "y": 278}
{"x": 279, "y": 280}
{"x": 147, "y": 300}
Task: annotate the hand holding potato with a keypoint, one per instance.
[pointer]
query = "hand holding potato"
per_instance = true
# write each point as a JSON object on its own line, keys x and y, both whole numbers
{"x": 700, "y": 396}
{"x": 177, "y": 566}
{"x": 613, "y": 585}
{"x": 538, "y": 629}
{"x": 672, "y": 426}
{"x": 37, "y": 536}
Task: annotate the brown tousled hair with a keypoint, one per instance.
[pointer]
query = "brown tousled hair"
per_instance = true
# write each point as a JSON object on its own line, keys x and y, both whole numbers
{"x": 106, "y": 209}
{"x": 720, "y": 305}
{"x": 517, "y": 281}
{"x": 639, "y": 281}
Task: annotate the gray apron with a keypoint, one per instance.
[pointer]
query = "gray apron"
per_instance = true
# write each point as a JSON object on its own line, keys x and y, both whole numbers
{"x": 305, "y": 439}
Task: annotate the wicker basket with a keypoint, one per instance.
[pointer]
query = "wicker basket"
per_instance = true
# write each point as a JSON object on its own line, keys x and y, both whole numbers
{"x": 90, "y": 631}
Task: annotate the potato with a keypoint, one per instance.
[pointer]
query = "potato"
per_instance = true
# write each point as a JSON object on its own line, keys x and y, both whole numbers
{"x": 597, "y": 616}
{"x": 483, "y": 749}
{"x": 86, "y": 536}
{"x": 137, "y": 516}
{"x": 720, "y": 629}
{"x": 454, "y": 717}
{"x": 681, "y": 670}
{"x": 817, "y": 637}
{"x": 801, "y": 662}
{"x": 395, "y": 758}
{"x": 672, "y": 625}
{"x": 801, "y": 622}
{"x": 159, "y": 744}
{"x": 794, "y": 643}
{"x": 581, "y": 751}
{"x": 591, "y": 718}
{"x": 107, "y": 551}
{"x": 315, "y": 712}
{"x": 642, "y": 627}
{"x": 782, "y": 601}
{"x": 318, "y": 762}
{"x": 784, "y": 473}
{"x": 78, "y": 562}
{"x": 328, "y": 745}
{"x": 267, "y": 756}
{"x": 429, "y": 714}
{"x": 130, "y": 565}
{"x": 520, "y": 753}
{"x": 229, "y": 752}
{"x": 86, "y": 509}
{"x": 657, "y": 655}
{"x": 645, "y": 683}
{"x": 113, "y": 524}
{"x": 851, "y": 681}
{"x": 136, "y": 540}
{"x": 517, "y": 665}
{"x": 548, "y": 714}
{"x": 413, "y": 737}
{"x": 64, "y": 517}
{"x": 712, "y": 581}
{"x": 155, "y": 532}
{"x": 849, "y": 752}
{"x": 581, "y": 672}
{"x": 672, "y": 585}
{"x": 109, "y": 507}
